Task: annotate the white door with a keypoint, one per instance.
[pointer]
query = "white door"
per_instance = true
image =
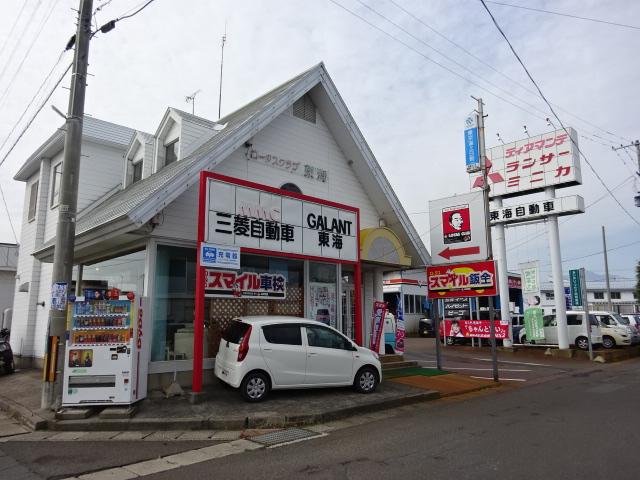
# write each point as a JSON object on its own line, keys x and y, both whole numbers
{"x": 329, "y": 357}
{"x": 283, "y": 352}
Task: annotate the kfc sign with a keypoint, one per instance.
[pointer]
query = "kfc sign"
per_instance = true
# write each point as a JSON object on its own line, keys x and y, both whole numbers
{"x": 530, "y": 165}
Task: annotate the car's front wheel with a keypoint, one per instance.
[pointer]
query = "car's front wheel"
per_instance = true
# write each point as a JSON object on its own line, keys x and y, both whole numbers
{"x": 254, "y": 387}
{"x": 582, "y": 343}
{"x": 366, "y": 380}
{"x": 608, "y": 342}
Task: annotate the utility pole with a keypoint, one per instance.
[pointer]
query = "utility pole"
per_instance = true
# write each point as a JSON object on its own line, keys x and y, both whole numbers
{"x": 485, "y": 192}
{"x": 65, "y": 230}
{"x": 606, "y": 270}
{"x": 637, "y": 145}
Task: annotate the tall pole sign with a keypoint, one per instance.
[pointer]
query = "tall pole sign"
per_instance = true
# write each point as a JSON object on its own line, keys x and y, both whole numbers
{"x": 471, "y": 143}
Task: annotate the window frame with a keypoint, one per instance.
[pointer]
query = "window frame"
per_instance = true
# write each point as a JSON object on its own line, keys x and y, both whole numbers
{"x": 347, "y": 343}
{"x": 134, "y": 167}
{"x": 33, "y": 201}
{"x": 173, "y": 144}
{"x": 280, "y": 326}
{"x": 55, "y": 199}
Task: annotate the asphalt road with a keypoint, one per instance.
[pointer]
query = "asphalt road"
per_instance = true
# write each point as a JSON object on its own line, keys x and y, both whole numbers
{"x": 584, "y": 425}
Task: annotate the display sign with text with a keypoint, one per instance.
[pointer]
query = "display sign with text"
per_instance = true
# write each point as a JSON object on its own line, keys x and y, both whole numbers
{"x": 474, "y": 279}
{"x": 229, "y": 284}
{"x": 377, "y": 324}
{"x": 474, "y": 328}
{"x": 537, "y": 209}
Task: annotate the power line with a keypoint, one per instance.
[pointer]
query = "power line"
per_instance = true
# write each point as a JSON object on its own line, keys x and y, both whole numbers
{"x": 578, "y": 17}
{"x": 556, "y": 116}
{"x": 21, "y": 36}
{"x": 8, "y": 214}
{"x": 35, "y": 114}
{"x": 26, "y": 55}
{"x": 136, "y": 12}
{"x": 15, "y": 24}
{"x": 488, "y": 65}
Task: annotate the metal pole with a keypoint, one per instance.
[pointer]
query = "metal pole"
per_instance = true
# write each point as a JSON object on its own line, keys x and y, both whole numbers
{"x": 606, "y": 270}
{"x": 485, "y": 188}
{"x": 503, "y": 274}
{"x": 585, "y": 307}
{"x": 435, "y": 311}
{"x": 79, "y": 280}
{"x": 556, "y": 269}
{"x": 65, "y": 230}
{"x": 224, "y": 39}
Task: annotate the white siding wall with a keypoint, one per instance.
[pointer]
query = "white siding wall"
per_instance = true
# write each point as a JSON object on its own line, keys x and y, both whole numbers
{"x": 147, "y": 167}
{"x": 291, "y": 138}
{"x": 193, "y": 136}
{"x": 100, "y": 171}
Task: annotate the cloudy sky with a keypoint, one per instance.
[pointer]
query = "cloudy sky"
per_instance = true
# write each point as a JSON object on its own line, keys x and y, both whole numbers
{"x": 407, "y": 76}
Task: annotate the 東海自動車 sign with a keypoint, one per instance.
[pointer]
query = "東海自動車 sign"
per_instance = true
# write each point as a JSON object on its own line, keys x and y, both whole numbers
{"x": 474, "y": 279}
{"x": 537, "y": 209}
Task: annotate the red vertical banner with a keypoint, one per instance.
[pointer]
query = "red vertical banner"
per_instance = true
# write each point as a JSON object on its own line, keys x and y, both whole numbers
{"x": 377, "y": 324}
{"x": 198, "y": 322}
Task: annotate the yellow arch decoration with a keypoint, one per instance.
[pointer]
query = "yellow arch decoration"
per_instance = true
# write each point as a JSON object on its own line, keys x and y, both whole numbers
{"x": 382, "y": 245}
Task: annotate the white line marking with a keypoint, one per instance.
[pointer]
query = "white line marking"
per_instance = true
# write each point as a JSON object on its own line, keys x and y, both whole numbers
{"x": 515, "y": 363}
{"x": 501, "y": 379}
{"x": 277, "y": 445}
{"x": 488, "y": 369}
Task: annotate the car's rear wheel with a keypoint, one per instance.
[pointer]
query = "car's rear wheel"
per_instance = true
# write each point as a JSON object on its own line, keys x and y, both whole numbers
{"x": 366, "y": 380}
{"x": 523, "y": 339}
{"x": 582, "y": 343}
{"x": 608, "y": 342}
{"x": 254, "y": 387}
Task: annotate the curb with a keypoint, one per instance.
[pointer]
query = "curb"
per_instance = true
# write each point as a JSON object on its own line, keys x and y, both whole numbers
{"x": 22, "y": 414}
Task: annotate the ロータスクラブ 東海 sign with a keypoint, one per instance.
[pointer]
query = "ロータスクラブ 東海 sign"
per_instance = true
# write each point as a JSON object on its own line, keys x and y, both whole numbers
{"x": 474, "y": 279}
{"x": 245, "y": 215}
{"x": 532, "y": 164}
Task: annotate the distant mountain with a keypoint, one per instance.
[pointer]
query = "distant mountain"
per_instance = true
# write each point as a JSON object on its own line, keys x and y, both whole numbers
{"x": 600, "y": 277}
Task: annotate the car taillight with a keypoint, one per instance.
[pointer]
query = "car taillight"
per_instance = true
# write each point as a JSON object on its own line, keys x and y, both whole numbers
{"x": 243, "y": 349}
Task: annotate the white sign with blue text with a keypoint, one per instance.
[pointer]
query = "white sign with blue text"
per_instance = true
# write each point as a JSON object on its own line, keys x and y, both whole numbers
{"x": 219, "y": 256}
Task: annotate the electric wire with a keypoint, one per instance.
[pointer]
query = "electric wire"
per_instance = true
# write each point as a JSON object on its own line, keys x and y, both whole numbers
{"x": 8, "y": 214}
{"x": 616, "y": 24}
{"x": 21, "y": 36}
{"x": 635, "y": 220}
{"x": 26, "y": 55}
{"x": 33, "y": 117}
{"x": 134, "y": 13}
{"x": 15, "y": 24}
{"x": 491, "y": 67}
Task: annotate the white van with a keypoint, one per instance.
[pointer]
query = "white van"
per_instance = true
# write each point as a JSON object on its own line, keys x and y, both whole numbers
{"x": 576, "y": 327}
{"x": 616, "y": 329}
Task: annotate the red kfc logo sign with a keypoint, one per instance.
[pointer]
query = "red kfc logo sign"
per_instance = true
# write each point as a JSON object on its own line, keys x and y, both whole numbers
{"x": 456, "y": 224}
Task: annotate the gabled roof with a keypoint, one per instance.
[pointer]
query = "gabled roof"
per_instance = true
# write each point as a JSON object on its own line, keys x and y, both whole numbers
{"x": 140, "y": 136}
{"x": 138, "y": 203}
{"x": 94, "y": 129}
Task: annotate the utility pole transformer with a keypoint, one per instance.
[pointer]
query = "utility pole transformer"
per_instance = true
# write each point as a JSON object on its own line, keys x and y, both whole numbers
{"x": 66, "y": 228}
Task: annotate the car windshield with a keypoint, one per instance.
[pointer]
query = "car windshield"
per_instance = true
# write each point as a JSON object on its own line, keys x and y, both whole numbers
{"x": 620, "y": 319}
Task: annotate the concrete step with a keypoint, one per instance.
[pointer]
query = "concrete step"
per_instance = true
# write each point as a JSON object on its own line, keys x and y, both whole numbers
{"x": 395, "y": 365}
{"x": 391, "y": 358}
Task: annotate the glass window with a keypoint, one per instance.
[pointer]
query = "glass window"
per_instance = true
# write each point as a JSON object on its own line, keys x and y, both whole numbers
{"x": 235, "y": 331}
{"x": 615, "y": 296}
{"x": 549, "y": 295}
{"x": 549, "y": 320}
{"x": 574, "y": 319}
{"x": 283, "y": 334}
{"x": 598, "y": 295}
{"x": 325, "y": 338}
{"x": 323, "y": 293}
{"x": 171, "y": 152}
{"x": 55, "y": 184}
{"x": 125, "y": 273}
{"x": 406, "y": 303}
{"x": 291, "y": 187}
{"x": 33, "y": 201}
{"x": 137, "y": 172}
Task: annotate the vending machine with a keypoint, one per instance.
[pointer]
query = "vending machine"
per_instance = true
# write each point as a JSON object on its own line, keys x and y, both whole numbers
{"x": 107, "y": 349}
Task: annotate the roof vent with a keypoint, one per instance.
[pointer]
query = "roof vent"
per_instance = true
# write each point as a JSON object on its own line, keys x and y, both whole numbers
{"x": 305, "y": 109}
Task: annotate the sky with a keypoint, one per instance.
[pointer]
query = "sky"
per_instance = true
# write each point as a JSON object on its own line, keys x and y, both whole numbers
{"x": 407, "y": 78}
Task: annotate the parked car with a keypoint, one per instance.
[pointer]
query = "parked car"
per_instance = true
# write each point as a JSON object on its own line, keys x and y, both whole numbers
{"x": 616, "y": 329}
{"x": 426, "y": 327}
{"x": 634, "y": 320}
{"x": 517, "y": 324}
{"x": 576, "y": 328}
{"x": 259, "y": 354}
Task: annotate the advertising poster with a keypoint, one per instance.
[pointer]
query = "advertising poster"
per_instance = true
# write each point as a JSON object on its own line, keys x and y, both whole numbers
{"x": 59, "y": 296}
{"x": 377, "y": 324}
{"x": 474, "y": 328}
{"x": 456, "y": 226}
{"x": 474, "y": 279}
{"x": 229, "y": 284}
{"x": 534, "y": 326}
{"x": 457, "y": 307}
{"x": 400, "y": 329}
{"x": 323, "y": 303}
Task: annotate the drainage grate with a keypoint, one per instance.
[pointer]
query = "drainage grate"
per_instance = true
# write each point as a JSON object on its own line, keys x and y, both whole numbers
{"x": 283, "y": 436}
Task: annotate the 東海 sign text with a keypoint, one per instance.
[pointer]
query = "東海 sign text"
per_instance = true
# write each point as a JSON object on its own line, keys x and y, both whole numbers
{"x": 462, "y": 280}
{"x": 538, "y": 209}
{"x": 532, "y": 164}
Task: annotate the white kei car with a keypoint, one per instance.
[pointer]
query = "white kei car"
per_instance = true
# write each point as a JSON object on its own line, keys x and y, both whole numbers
{"x": 261, "y": 353}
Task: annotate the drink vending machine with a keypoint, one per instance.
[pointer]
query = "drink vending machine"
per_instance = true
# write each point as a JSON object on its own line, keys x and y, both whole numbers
{"x": 107, "y": 349}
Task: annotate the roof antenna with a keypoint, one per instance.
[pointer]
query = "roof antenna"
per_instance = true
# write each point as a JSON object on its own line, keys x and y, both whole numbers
{"x": 224, "y": 40}
{"x": 500, "y": 138}
{"x": 192, "y": 100}
{"x": 526, "y": 131}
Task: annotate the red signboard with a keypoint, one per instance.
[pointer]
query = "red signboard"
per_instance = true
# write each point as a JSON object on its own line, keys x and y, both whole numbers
{"x": 476, "y": 279}
{"x": 474, "y": 328}
{"x": 515, "y": 282}
{"x": 377, "y": 324}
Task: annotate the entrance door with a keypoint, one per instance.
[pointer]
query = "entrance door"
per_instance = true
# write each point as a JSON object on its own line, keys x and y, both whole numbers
{"x": 348, "y": 306}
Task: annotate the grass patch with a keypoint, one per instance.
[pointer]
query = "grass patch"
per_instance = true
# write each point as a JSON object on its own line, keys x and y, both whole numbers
{"x": 409, "y": 371}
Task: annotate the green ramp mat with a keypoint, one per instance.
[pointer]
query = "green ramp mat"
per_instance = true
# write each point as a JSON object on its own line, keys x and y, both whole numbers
{"x": 409, "y": 371}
